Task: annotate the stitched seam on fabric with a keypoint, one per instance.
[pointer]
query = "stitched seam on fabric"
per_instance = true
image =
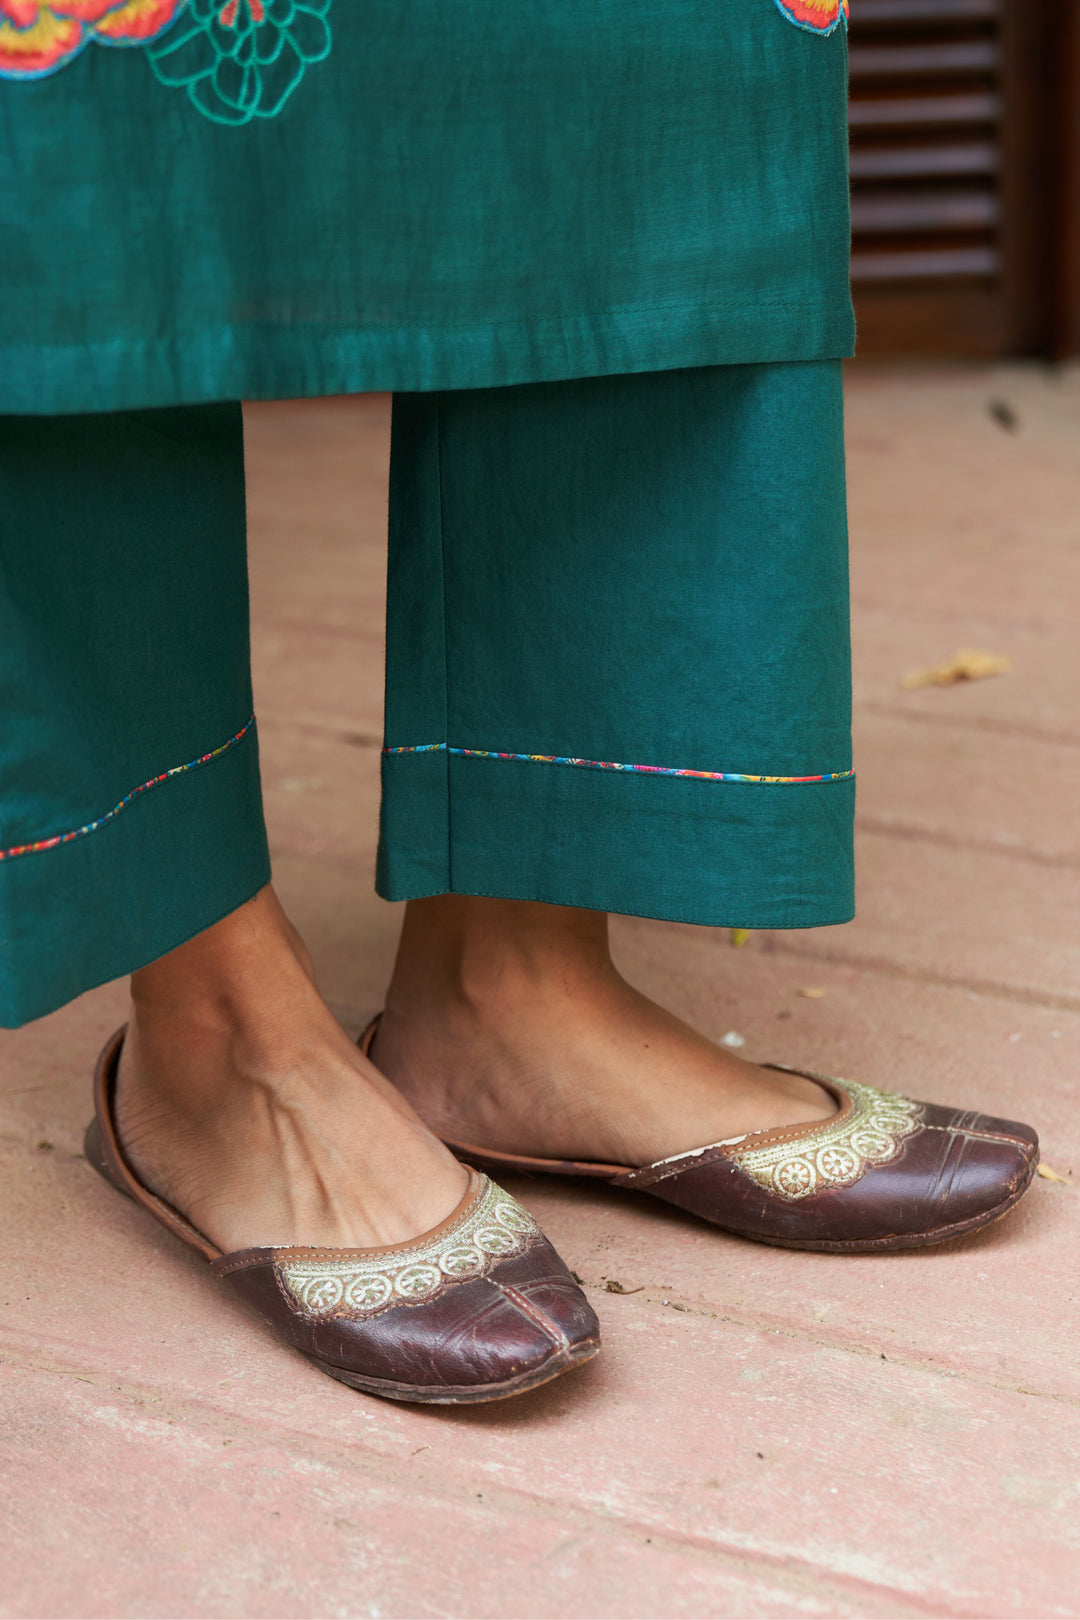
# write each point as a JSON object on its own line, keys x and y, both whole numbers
{"x": 657, "y": 916}
{"x": 612, "y": 765}
{"x": 40, "y": 845}
{"x": 223, "y": 334}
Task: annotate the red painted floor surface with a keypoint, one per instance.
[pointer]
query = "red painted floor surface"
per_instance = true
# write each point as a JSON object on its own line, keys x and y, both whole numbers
{"x": 767, "y": 1433}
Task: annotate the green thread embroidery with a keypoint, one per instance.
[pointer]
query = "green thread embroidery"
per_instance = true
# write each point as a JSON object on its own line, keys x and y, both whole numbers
{"x": 242, "y": 59}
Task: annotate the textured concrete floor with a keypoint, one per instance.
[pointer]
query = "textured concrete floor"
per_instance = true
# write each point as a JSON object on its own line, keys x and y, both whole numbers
{"x": 767, "y": 1433}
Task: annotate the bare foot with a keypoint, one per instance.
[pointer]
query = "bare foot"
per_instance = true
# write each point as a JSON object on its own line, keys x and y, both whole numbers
{"x": 508, "y": 1027}
{"x": 242, "y": 1101}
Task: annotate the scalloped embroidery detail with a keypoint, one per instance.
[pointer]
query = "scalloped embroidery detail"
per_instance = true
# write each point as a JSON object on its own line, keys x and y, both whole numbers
{"x": 838, "y": 1153}
{"x": 494, "y": 1229}
{"x": 815, "y": 16}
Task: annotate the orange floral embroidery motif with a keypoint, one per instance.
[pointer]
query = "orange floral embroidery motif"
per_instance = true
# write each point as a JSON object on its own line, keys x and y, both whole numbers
{"x": 816, "y": 16}
{"x": 39, "y": 36}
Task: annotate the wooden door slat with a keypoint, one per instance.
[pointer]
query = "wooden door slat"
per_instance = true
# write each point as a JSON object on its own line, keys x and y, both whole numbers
{"x": 897, "y": 61}
{"x": 913, "y": 162}
{"x": 954, "y": 210}
{"x": 923, "y": 264}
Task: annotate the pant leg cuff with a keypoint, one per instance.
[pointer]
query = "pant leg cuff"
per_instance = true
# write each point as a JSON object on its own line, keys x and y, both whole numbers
{"x": 725, "y": 854}
{"x": 176, "y": 860}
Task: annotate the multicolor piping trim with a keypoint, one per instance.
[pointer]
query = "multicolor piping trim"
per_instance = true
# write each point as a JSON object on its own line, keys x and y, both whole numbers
{"x": 611, "y": 765}
{"x": 155, "y": 781}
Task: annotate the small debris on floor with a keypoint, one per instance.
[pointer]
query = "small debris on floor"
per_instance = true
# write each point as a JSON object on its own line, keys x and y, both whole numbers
{"x": 733, "y": 1038}
{"x": 969, "y": 664}
{"x": 1050, "y": 1175}
{"x": 813, "y": 992}
{"x": 739, "y": 937}
{"x": 1001, "y": 412}
{"x": 613, "y": 1286}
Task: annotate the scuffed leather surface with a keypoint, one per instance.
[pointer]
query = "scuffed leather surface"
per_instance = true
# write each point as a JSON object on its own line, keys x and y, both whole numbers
{"x": 957, "y": 1167}
{"x": 479, "y": 1332}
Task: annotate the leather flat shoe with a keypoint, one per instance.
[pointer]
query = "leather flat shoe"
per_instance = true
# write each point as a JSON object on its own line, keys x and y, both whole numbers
{"x": 883, "y": 1172}
{"x": 479, "y": 1308}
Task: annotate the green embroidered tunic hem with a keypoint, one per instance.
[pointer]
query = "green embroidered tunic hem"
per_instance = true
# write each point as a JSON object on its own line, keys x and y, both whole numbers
{"x": 266, "y": 199}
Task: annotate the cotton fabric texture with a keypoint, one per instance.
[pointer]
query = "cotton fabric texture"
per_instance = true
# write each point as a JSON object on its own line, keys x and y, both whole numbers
{"x": 123, "y": 653}
{"x": 646, "y": 570}
{"x": 440, "y": 196}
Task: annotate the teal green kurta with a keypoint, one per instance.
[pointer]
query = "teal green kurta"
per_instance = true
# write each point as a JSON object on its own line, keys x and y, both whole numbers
{"x": 618, "y": 651}
{"x": 453, "y": 196}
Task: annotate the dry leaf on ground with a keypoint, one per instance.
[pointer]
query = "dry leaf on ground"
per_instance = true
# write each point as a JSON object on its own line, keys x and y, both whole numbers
{"x": 1050, "y": 1175}
{"x": 969, "y": 664}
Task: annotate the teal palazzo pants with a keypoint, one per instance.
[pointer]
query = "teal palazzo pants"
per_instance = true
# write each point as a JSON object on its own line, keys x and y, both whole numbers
{"x": 598, "y": 250}
{"x": 617, "y": 664}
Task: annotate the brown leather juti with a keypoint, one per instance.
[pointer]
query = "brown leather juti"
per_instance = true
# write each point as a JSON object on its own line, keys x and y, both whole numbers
{"x": 478, "y": 1309}
{"x": 881, "y": 1173}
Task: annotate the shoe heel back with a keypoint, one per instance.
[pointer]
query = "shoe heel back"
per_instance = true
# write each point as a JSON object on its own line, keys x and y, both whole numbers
{"x": 95, "y": 1157}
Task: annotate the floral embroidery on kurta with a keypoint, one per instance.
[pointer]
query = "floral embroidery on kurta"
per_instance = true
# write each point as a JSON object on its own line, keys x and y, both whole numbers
{"x": 244, "y": 58}
{"x": 237, "y": 59}
{"x": 817, "y": 16}
{"x": 39, "y": 36}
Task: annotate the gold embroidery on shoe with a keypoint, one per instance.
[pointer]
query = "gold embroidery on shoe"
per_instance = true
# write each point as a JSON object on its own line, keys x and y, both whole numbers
{"x": 494, "y": 1228}
{"x": 835, "y": 1154}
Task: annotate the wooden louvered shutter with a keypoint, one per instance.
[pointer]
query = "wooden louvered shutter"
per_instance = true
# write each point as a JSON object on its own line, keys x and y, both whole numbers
{"x": 953, "y": 164}
{"x": 1067, "y": 246}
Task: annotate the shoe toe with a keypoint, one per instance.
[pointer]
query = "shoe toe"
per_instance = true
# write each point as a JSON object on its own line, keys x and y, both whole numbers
{"x": 522, "y": 1322}
{"x": 957, "y": 1172}
{"x": 985, "y": 1165}
{"x": 478, "y": 1336}
{"x": 939, "y": 1172}
{"x": 1024, "y": 1135}
{"x": 526, "y": 1316}
{"x": 540, "y": 1286}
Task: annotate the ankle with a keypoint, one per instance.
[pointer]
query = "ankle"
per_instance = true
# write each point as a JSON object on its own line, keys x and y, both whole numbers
{"x": 474, "y": 957}
{"x": 250, "y": 967}
{"x": 233, "y": 1011}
